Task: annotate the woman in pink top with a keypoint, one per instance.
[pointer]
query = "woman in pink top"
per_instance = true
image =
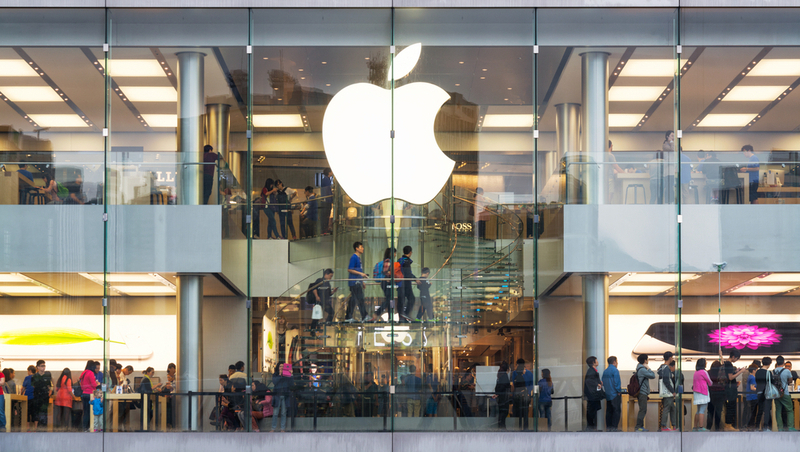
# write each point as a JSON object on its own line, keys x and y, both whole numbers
{"x": 63, "y": 400}
{"x": 700, "y": 385}
{"x": 88, "y": 384}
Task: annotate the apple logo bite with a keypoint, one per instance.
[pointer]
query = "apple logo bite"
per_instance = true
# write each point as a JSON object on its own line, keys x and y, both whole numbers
{"x": 356, "y": 136}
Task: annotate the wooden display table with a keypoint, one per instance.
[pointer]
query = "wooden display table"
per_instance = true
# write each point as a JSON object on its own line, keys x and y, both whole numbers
{"x": 161, "y": 405}
{"x": 23, "y": 413}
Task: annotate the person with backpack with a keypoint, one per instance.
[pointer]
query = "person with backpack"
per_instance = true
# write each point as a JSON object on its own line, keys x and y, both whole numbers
{"x": 383, "y": 273}
{"x": 667, "y": 391}
{"x": 320, "y": 293}
{"x": 405, "y": 299}
{"x": 594, "y": 393}
{"x": 613, "y": 387}
{"x": 643, "y": 376}
{"x": 546, "y": 397}
{"x": 784, "y": 402}
{"x": 764, "y": 404}
{"x": 522, "y": 382}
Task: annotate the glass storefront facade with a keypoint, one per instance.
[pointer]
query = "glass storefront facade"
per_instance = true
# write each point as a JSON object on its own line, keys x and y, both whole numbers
{"x": 397, "y": 219}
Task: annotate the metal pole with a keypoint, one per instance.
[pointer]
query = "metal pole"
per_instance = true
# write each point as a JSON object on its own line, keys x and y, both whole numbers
{"x": 190, "y": 344}
{"x": 594, "y": 121}
{"x": 218, "y": 127}
{"x": 595, "y": 339}
{"x": 566, "y": 415}
{"x": 190, "y": 126}
{"x": 568, "y": 145}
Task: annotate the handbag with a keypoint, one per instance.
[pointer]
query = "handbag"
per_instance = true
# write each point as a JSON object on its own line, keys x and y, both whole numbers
{"x": 770, "y": 391}
{"x": 316, "y": 313}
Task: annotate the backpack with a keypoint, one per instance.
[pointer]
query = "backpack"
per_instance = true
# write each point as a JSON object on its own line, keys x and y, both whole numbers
{"x": 520, "y": 386}
{"x": 381, "y": 269}
{"x": 398, "y": 271}
{"x": 778, "y": 377}
{"x": 61, "y": 190}
{"x": 282, "y": 199}
{"x": 634, "y": 385}
{"x": 770, "y": 391}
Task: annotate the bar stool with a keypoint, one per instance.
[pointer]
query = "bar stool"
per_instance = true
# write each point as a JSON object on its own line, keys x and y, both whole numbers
{"x": 636, "y": 188}
{"x": 37, "y": 198}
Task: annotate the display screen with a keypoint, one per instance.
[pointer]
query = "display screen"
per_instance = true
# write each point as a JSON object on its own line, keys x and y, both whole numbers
{"x": 705, "y": 338}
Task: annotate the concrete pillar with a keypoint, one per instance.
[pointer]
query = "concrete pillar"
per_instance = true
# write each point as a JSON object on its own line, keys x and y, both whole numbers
{"x": 191, "y": 92}
{"x": 567, "y": 144}
{"x": 190, "y": 348}
{"x": 218, "y": 130}
{"x": 595, "y": 330}
{"x": 594, "y": 121}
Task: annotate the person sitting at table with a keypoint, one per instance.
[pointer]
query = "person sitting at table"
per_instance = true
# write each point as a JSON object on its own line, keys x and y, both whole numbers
{"x": 752, "y": 167}
{"x": 75, "y": 188}
{"x": 23, "y": 170}
{"x": 51, "y": 190}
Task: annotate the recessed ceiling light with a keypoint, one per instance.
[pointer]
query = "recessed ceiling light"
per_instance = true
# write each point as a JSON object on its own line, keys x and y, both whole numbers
{"x": 324, "y": 62}
{"x": 300, "y": 70}
{"x": 266, "y": 58}
{"x": 158, "y": 120}
{"x": 650, "y": 68}
{"x": 145, "y": 290}
{"x": 16, "y": 68}
{"x": 750, "y": 288}
{"x": 745, "y": 93}
{"x": 630, "y": 289}
{"x": 327, "y": 84}
{"x": 776, "y": 68}
{"x": 121, "y": 277}
{"x": 511, "y": 120}
{"x": 634, "y": 93}
{"x": 660, "y": 277}
{"x": 135, "y": 68}
{"x": 458, "y": 84}
{"x": 727, "y": 120}
{"x": 30, "y": 94}
{"x": 623, "y": 120}
{"x": 284, "y": 120}
{"x": 58, "y": 120}
{"x": 779, "y": 277}
{"x": 26, "y": 290}
{"x": 483, "y": 78}
{"x": 150, "y": 93}
{"x": 12, "y": 277}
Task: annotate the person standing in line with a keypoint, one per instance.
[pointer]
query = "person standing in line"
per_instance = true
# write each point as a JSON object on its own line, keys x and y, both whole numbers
{"x": 667, "y": 392}
{"x": 27, "y": 387}
{"x": 413, "y": 386}
{"x": 764, "y": 404}
{"x": 97, "y": 409}
{"x": 751, "y": 397}
{"x": 406, "y": 291}
{"x": 784, "y": 402}
{"x": 309, "y": 226}
{"x": 426, "y": 304}
{"x": 355, "y": 270}
{"x": 501, "y": 393}
{"x": 62, "y": 401}
{"x": 700, "y": 384}
{"x": 326, "y": 192}
{"x": 613, "y": 388}
{"x": 88, "y": 383}
{"x": 644, "y": 374}
{"x": 209, "y": 166}
{"x": 285, "y": 195}
{"x": 546, "y": 398}
{"x": 42, "y": 384}
{"x": 732, "y": 388}
{"x": 593, "y": 391}
{"x": 717, "y": 394}
{"x": 753, "y": 168}
{"x": 522, "y": 382}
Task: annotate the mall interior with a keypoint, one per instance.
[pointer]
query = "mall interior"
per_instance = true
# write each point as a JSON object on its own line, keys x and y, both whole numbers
{"x": 183, "y": 190}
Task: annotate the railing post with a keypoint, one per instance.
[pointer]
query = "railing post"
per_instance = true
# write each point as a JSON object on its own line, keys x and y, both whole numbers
{"x": 384, "y": 409}
{"x": 190, "y": 410}
{"x": 566, "y": 415}
{"x": 455, "y": 415}
{"x": 315, "y": 410}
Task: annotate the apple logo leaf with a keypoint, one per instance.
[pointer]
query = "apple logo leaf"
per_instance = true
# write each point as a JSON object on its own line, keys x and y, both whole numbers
{"x": 405, "y": 61}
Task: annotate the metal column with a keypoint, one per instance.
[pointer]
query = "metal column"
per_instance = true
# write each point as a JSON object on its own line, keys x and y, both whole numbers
{"x": 218, "y": 128}
{"x": 190, "y": 126}
{"x": 594, "y": 120}
{"x": 568, "y": 145}
{"x": 190, "y": 348}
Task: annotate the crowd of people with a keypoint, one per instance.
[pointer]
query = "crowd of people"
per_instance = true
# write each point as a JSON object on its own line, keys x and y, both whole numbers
{"x": 73, "y": 399}
{"x": 278, "y": 202}
{"x": 715, "y": 391}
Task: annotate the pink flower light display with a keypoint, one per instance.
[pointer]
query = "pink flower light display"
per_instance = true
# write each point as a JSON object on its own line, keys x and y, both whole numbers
{"x": 744, "y": 336}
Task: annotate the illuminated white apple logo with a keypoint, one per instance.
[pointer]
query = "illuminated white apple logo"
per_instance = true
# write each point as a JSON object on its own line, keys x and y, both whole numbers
{"x": 356, "y": 135}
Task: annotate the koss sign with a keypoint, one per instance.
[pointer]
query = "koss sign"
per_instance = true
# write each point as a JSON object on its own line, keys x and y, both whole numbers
{"x": 356, "y": 133}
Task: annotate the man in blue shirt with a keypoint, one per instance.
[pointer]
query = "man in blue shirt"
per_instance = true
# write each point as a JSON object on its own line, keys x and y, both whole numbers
{"x": 613, "y": 387}
{"x": 355, "y": 270}
{"x": 23, "y": 170}
{"x": 752, "y": 168}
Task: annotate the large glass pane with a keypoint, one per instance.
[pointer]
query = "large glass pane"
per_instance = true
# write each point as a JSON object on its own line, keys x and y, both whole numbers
{"x": 51, "y": 166}
{"x": 738, "y": 115}
{"x": 607, "y": 266}
{"x": 177, "y": 267}
{"x": 321, "y": 120}
{"x": 477, "y": 66}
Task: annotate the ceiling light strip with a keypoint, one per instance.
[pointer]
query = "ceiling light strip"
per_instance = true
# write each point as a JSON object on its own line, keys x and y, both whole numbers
{"x": 16, "y": 108}
{"x": 35, "y": 282}
{"x": 98, "y": 282}
{"x": 657, "y": 103}
{"x": 162, "y": 60}
{"x": 43, "y": 75}
{"x": 772, "y": 105}
{"x": 115, "y": 88}
{"x": 736, "y": 80}
{"x": 163, "y": 280}
{"x": 618, "y": 68}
